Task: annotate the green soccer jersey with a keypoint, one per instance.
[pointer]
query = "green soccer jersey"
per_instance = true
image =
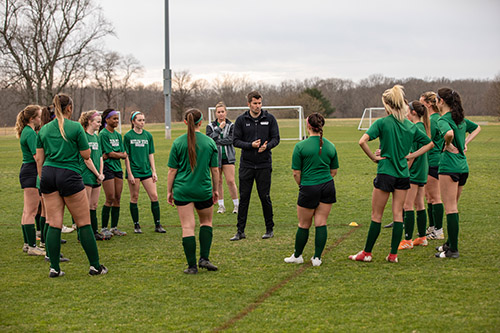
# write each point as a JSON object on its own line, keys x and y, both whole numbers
{"x": 315, "y": 168}
{"x": 111, "y": 142}
{"x": 435, "y": 153}
{"x": 28, "y": 144}
{"x": 193, "y": 185}
{"x": 450, "y": 162}
{"x": 61, "y": 153}
{"x": 420, "y": 166}
{"x": 396, "y": 140}
{"x": 138, "y": 148}
{"x": 95, "y": 155}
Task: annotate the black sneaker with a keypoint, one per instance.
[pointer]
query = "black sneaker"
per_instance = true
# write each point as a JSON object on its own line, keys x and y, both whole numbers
{"x": 53, "y": 273}
{"x": 390, "y": 225}
{"x": 137, "y": 228}
{"x": 99, "y": 237}
{"x": 447, "y": 254}
{"x": 443, "y": 248}
{"x": 191, "y": 270}
{"x": 159, "y": 229}
{"x": 205, "y": 263}
{"x": 238, "y": 236}
{"x": 101, "y": 271}
{"x": 268, "y": 234}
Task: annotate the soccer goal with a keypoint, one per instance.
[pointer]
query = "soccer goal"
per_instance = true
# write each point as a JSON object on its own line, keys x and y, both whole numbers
{"x": 290, "y": 119}
{"x": 369, "y": 116}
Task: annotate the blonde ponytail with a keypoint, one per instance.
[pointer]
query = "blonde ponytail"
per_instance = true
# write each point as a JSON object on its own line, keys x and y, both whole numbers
{"x": 61, "y": 104}
{"x": 394, "y": 102}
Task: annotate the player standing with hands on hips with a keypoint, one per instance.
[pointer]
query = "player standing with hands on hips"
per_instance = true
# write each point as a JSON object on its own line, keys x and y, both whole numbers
{"x": 256, "y": 132}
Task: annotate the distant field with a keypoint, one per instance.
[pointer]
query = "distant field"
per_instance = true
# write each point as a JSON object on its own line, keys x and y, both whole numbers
{"x": 254, "y": 290}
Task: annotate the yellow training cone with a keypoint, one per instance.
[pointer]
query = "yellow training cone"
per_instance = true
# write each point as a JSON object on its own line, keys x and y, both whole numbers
{"x": 353, "y": 224}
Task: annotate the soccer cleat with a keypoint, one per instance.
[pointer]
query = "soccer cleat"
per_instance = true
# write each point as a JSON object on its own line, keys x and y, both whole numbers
{"x": 405, "y": 244}
{"x": 429, "y": 230}
{"x": 98, "y": 271}
{"x": 63, "y": 241}
{"x": 41, "y": 245}
{"x": 99, "y": 237}
{"x": 238, "y": 236}
{"x": 205, "y": 263}
{"x": 159, "y": 229}
{"x": 390, "y": 225}
{"x": 137, "y": 228}
{"x": 73, "y": 226}
{"x": 420, "y": 241}
{"x": 53, "y": 273}
{"x": 235, "y": 210}
{"x": 436, "y": 234}
{"x": 447, "y": 254}
{"x": 117, "y": 232}
{"x": 392, "y": 258}
{"x": 315, "y": 261}
{"x": 66, "y": 230}
{"x": 294, "y": 260}
{"x": 221, "y": 210}
{"x": 191, "y": 270}
{"x": 35, "y": 251}
{"x": 268, "y": 234}
{"x": 361, "y": 256}
{"x": 106, "y": 233}
{"x": 443, "y": 248}
{"x": 25, "y": 247}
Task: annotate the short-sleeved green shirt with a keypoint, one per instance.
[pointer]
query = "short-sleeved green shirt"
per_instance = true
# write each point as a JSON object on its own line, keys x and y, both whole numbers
{"x": 396, "y": 139}
{"x": 315, "y": 168}
{"x": 196, "y": 185}
{"x": 456, "y": 163}
{"x": 138, "y": 148}
{"x": 435, "y": 153}
{"x": 420, "y": 167}
{"x": 111, "y": 142}
{"x": 62, "y": 153}
{"x": 95, "y": 155}
{"x": 28, "y": 144}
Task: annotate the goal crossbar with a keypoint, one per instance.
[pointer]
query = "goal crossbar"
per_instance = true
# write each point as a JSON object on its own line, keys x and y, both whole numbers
{"x": 368, "y": 117}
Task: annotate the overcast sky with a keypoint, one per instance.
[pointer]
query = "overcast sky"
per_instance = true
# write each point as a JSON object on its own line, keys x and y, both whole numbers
{"x": 277, "y": 40}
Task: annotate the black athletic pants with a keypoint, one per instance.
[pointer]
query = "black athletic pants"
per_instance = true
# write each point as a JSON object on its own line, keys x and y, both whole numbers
{"x": 262, "y": 179}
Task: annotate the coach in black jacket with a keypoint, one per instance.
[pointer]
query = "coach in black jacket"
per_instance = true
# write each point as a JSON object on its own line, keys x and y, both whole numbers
{"x": 256, "y": 132}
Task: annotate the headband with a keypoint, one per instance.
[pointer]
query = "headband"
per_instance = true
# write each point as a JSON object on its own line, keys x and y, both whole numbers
{"x": 94, "y": 115}
{"x": 111, "y": 114}
{"x": 196, "y": 122}
{"x": 134, "y": 114}
{"x": 411, "y": 106}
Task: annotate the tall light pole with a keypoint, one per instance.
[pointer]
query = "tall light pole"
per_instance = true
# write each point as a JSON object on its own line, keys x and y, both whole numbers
{"x": 167, "y": 79}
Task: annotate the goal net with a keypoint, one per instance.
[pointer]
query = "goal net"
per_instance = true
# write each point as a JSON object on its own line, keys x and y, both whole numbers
{"x": 290, "y": 119}
{"x": 369, "y": 116}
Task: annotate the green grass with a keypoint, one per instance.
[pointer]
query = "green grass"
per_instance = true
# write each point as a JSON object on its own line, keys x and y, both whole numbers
{"x": 146, "y": 290}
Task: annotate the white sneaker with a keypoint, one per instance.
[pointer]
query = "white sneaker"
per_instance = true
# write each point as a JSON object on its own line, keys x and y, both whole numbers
{"x": 73, "y": 226}
{"x": 25, "y": 247}
{"x": 429, "y": 230}
{"x": 66, "y": 230}
{"x": 436, "y": 234}
{"x": 235, "y": 210}
{"x": 315, "y": 261}
{"x": 294, "y": 260}
{"x": 42, "y": 245}
{"x": 221, "y": 210}
{"x": 35, "y": 251}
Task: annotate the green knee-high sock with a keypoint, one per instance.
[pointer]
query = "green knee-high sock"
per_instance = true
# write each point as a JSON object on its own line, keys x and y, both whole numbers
{"x": 30, "y": 234}
{"x": 205, "y": 241}
{"x": 105, "y": 216}
{"x": 421, "y": 222}
{"x": 320, "y": 241}
{"x": 53, "y": 246}
{"x": 189, "y": 244}
{"x": 409, "y": 224}
{"x": 25, "y": 238}
{"x": 430, "y": 214}
{"x": 453, "y": 229}
{"x": 437, "y": 212}
{"x": 89, "y": 245}
{"x": 93, "y": 220}
{"x": 301, "y": 238}
{"x": 373, "y": 233}
{"x": 42, "y": 229}
{"x": 45, "y": 232}
{"x": 155, "y": 209}
{"x": 115, "y": 216}
{"x": 397, "y": 233}
{"x": 134, "y": 212}
{"x": 37, "y": 222}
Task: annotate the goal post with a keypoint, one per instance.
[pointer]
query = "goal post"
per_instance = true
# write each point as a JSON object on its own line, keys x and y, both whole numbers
{"x": 369, "y": 116}
{"x": 296, "y": 111}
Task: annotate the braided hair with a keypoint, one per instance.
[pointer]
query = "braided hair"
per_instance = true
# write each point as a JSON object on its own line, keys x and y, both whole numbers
{"x": 317, "y": 121}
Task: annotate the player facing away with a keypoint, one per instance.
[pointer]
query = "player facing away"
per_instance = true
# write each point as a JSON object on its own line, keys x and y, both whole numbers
{"x": 314, "y": 164}
{"x": 453, "y": 167}
{"x": 141, "y": 168}
{"x": 396, "y": 135}
{"x": 192, "y": 159}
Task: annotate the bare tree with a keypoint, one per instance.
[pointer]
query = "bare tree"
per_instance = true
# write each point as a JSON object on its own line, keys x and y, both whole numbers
{"x": 184, "y": 91}
{"x": 42, "y": 42}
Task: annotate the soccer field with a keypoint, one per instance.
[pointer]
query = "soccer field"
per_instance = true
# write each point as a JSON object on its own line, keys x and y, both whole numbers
{"x": 254, "y": 290}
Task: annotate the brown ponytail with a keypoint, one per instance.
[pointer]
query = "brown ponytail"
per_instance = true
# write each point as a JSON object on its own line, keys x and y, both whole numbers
{"x": 61, "y": 104}
{"x": 317, "y": 121}
{"x": 24, "y": 117}
{"x": 191, "y": 118}
{"x": 423, "y": 114}
{"x": 430, "y": 97}
{"x": 453, "y": 100}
